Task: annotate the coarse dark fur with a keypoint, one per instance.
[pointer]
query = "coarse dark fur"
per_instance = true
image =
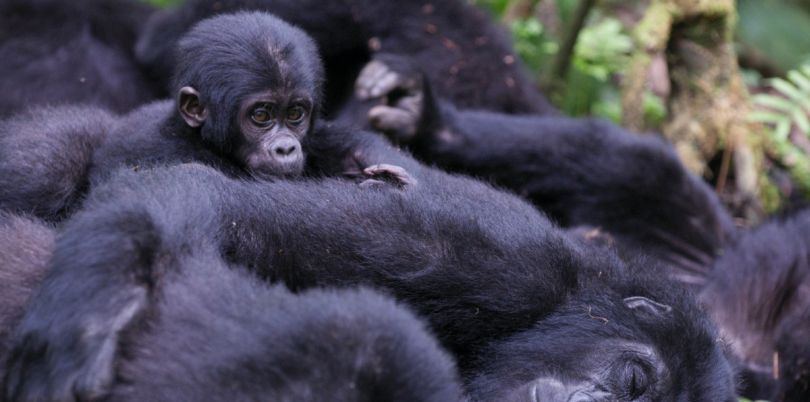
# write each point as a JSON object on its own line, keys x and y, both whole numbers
{"x": 591, "y": 172}
{"x": 758, "y": 292}
{"x": 470, "y": 59}
{"x": 26, "y": 245}
{"x": 46, "y": 157}
{"x": 479, "y": 264}
{"x": 50, "y": 156}
{"x": 59, "y": 52}
{"x": 216, "y": 333}
{"x": 582, "y": 172}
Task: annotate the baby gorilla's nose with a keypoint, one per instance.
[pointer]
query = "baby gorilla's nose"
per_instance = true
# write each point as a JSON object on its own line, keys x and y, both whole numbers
{"x": 284, "y": 148}
{"x": 285, "y": 151}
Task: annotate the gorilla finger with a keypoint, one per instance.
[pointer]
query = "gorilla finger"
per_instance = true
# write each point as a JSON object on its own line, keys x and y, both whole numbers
{"x": 367, "y": 78}
{"x": 392, "y": 173}
{"x": 398, "y": 123}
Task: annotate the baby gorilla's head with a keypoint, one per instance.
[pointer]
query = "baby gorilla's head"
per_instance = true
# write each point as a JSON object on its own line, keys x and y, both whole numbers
{"x": 251, "y": 84}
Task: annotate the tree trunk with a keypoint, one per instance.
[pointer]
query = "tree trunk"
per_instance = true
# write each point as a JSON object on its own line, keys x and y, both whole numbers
{"x": 709, "y": 103}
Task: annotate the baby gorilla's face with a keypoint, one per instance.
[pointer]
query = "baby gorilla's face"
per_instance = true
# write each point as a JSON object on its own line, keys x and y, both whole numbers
{"x": 272, "y": 125}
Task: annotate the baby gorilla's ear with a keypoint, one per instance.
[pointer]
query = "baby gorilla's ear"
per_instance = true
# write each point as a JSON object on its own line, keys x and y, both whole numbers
{"x": 190, "y": 107}
{"x": 649, "y": 307}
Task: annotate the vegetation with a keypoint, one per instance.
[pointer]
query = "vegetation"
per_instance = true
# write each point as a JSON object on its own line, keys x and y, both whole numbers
{"x": 771, "y": 38}
{"x": 582, "y": 51}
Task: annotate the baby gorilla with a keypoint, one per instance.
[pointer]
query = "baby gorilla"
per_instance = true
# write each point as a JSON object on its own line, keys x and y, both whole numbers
{"x": 248, "y": 91}
{"x": 217, "y": 333}
{"x": 269, "y": 101}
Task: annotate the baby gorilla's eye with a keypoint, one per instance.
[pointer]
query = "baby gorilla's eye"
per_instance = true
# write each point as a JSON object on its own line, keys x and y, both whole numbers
{"x": 296, "y": 114}
{"x": 261, "y": 115}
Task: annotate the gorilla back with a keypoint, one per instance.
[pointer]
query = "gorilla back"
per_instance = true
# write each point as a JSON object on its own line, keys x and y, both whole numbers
{"x": 481, "y": 265}
{"x": 58, "y": 52}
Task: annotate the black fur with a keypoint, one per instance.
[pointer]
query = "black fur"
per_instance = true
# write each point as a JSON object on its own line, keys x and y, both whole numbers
{"x": 57, "y": 52}
{"x": 216, "y": 333}
{"x": 479, "y": 264}
{"x": 49, "y": 156}
{"x": 470, "y": 60}
{"x": 582, "y": 172}
{"x": 590, "y": 172}
{"x": 46, "y": 157}
{"x": 758, "y": 292}
{"x": 25, "y": 247}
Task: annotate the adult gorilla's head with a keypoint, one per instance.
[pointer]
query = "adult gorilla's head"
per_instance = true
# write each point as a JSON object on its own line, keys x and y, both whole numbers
{"x": 623, "y": 337}
{"x": 250, "y": 84}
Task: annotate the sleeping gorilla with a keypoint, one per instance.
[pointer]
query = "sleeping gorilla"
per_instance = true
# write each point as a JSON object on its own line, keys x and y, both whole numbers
{"x": 57, "y": 51}
{"x": 488, "y": 271}
{"x": 758, "y": 292}
{"x": 580, "y": 171}
{"x": 457, "y": 45}
{"x": 216, "y": 333}
{"x": 248, "y": 90}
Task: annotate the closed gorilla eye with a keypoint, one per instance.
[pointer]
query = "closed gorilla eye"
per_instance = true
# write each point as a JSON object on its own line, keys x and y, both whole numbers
{"x": 261, "y": 115}
{"x": 635, "y": 380}
{"x": 296, "y": 114}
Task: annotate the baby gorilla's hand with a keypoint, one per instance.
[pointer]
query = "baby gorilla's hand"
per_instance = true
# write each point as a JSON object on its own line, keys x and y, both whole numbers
{"x": 383, "y": 174}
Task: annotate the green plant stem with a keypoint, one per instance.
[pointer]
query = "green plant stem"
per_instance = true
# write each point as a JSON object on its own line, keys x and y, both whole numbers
{"x": 562, "y": 62}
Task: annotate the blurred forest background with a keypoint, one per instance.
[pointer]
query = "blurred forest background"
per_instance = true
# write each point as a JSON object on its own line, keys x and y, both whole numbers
{"x": 728, "y": 82}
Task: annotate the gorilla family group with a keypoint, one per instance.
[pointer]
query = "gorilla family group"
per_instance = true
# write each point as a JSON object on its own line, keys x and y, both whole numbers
{"x": 357, "y": 200}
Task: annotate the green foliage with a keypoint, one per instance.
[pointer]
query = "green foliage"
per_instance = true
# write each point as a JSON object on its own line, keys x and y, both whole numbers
{"x": 789, "y": 107}
{"x": 497, "y": 7}
{"x": 163, "y": 3}
{"x": 602, "y": 52}
{"x": 602, "y": 49}
{"x": 786, "y": 112}
{"x": 532, "y": 44}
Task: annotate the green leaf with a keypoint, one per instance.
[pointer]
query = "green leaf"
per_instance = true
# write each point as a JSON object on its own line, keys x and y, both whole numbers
{"x": 782, "y": 130}
{"x": 787, "y": 89}
{"x": 761, "y": 116}
{"x": 802, "y": 81}
{"x": 774, "y": 102}
{"x": 800, "y": 117}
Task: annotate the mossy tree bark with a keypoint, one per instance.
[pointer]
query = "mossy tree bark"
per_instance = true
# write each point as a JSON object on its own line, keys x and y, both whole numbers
{"x": 708, "y": 103}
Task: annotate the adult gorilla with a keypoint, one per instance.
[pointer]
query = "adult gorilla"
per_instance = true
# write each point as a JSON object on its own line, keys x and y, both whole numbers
{"x": 59, "y": 52}
{"x": 498, "y": 283}
{"x": 218, "y": 333}
{"x": 469, "y": 58}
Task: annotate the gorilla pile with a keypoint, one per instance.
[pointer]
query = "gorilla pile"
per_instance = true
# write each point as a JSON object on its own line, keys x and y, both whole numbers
{"x": 500, "y": 286}
{"x": 152, "y": 290}
{"x": 244, "y": 109}
{"x": 583, "y": 172}
{"x": 216, "y": 333}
